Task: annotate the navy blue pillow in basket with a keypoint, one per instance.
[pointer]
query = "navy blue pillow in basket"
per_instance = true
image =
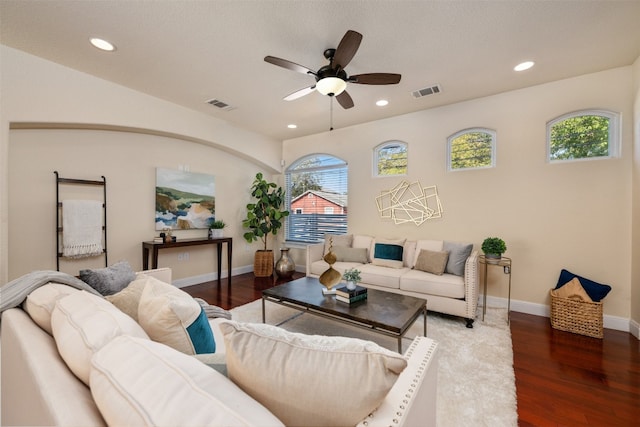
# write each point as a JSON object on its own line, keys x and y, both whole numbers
{"x": 595, "y": 290}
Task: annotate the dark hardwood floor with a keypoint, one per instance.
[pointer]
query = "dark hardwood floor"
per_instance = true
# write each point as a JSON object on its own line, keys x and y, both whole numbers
{"x": 562, "y": 379}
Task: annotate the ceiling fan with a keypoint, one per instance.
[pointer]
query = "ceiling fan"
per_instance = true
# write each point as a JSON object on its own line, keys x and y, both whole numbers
{"x": 332, "y": 79}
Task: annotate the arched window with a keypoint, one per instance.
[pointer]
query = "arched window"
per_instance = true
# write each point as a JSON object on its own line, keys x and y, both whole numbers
{"x": 316, "y": 187}
{"x": 586, "y": 134}
{"x": 471, "y": 149}
{"x": 390, "y": 159}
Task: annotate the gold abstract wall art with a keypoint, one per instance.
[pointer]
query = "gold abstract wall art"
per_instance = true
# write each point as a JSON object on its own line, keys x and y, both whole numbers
{"x": 410, "y": 202}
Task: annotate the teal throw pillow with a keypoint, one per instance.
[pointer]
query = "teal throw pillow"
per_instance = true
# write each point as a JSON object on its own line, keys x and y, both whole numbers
{"x": 201, "y": 334}
{"x": 388, "y": 255}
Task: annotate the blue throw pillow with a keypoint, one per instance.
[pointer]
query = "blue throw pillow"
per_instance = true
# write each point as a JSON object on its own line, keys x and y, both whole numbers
{"x": 201, "y": 334}
{"x": 595, "y": 290}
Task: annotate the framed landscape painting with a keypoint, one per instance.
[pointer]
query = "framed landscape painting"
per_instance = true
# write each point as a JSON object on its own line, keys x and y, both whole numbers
{"x": 184, "y": 200}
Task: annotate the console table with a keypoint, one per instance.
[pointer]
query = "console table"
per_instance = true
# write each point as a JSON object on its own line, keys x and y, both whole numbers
{"x": 154, "y": 248}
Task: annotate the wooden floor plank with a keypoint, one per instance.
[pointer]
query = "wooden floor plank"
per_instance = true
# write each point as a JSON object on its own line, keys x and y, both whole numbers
{"x": 562, "y": 379}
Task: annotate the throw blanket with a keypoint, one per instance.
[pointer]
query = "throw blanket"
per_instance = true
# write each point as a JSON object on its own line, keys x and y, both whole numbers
{"x": 82, "y": 228}
{"x": 213, "y": 311}
{"x": 15, "y": 292}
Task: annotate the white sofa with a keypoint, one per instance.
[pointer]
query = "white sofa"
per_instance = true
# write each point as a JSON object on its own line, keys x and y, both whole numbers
{"x": 38, "y": 388}
{"x": 454, "y": 294}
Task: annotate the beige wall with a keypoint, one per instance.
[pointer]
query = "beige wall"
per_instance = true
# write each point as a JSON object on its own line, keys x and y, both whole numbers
{"x": 129, "y": 162}
{"x": 635, "y": 274}
{"x": 552, "y": 216}
{"x": 33, "y": 90}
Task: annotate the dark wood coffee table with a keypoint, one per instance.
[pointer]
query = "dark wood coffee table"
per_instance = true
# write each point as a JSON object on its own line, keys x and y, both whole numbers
{"x": 382, "y": 312}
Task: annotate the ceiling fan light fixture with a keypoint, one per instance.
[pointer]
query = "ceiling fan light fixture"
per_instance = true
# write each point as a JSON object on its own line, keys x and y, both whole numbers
{"x": 332, "y": 86}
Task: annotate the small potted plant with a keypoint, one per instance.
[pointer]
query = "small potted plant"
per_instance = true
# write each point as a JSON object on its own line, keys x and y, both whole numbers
{"x": 352, "y": 276}
{"x": 215, "y": 228}
{"x": 493, "y": 248}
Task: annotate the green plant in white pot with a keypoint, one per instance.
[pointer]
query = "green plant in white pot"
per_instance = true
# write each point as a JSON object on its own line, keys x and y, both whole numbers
{"x": 264, "y": 217}
{"x": 493, "y": 248}
{"x": 215, "y": 228}
{"x": 352, "y": 277}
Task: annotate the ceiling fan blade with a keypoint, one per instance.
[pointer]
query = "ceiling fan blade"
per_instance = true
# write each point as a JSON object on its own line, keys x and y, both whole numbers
{"x": 344, "y": 99}
{"x": 300, "y": 93}
{"x": 289, "y": 65}
{"x": 347, "y": 49}
{"x": 376, "y": 79}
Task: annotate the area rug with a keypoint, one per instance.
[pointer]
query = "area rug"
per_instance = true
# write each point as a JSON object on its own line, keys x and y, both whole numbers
{"x": 476, "y": 382}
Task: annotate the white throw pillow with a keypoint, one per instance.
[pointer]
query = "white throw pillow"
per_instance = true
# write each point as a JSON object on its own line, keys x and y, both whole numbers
{"x": 138, "y": 382}
{"x": 41, "y": 302}
{"x": 409, "y": 253}
{"x": 171, "y": 316}
{"x": 362, "y": 241}
{"x": 309, "y": 379}
{"x": 82, "y": 324}
{"x": 128, "y": 299}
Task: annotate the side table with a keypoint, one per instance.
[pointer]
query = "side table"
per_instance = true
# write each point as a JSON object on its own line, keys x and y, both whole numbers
{"x": 505, "y": 263}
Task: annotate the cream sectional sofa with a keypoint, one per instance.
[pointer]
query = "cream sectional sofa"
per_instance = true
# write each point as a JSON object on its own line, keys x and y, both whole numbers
{"x": 39, "y": 386}
{"x": 455, "y": 291}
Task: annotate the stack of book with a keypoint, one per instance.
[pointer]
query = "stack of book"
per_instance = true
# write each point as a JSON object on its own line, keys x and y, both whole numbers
{"x": 351, "y": 296}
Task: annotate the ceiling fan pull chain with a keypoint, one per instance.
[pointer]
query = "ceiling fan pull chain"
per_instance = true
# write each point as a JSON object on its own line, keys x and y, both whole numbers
{"x": 330, "y": 113}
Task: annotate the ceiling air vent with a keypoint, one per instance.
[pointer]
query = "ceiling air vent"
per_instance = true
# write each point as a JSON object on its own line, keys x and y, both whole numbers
{"x": 220, "y": 104}
{"x": 431, "y": 90}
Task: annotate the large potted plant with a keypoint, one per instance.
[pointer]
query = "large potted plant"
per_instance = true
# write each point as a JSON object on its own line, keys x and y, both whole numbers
{"x": 493, "y": 248}
{"x": 264, "y": 217}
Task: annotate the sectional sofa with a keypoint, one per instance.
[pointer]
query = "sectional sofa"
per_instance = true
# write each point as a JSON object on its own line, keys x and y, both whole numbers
{"x": 112, "y": 374}
{"x": 444, "y": 273}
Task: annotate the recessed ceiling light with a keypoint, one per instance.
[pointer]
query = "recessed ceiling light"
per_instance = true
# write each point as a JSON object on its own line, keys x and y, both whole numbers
{"x": 382, "y": 102}
{"x": 523, "y": 66}
{"x": 102, "y": 44}
{"x": 292, "y": 126}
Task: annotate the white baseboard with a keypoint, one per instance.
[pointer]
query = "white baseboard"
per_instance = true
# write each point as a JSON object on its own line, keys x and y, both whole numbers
{"x": 610, "y": 322}
{"x": 635, "y": 328}
{"x": 210, "y": 277}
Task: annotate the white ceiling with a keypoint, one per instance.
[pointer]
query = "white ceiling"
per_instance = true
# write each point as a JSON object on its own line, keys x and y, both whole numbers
{"x": 188, "y": 52}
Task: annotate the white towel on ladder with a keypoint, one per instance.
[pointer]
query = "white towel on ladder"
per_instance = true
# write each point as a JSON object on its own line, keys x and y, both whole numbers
{"x": 81, "y": 228}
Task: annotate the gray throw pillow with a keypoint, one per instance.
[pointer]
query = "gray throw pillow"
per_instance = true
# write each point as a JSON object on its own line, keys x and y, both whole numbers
{"x": 109, "y": 280}
{"x": 458, "y": 254}
{"x": 345, "y": 254}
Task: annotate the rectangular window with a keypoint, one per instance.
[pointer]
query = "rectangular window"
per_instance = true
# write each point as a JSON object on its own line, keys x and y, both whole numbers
{"x": 316, "y": 189}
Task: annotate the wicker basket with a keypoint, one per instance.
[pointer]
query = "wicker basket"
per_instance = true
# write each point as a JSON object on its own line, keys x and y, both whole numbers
{"x": 579, "y": 317}
{"x": 263, "y": 263}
